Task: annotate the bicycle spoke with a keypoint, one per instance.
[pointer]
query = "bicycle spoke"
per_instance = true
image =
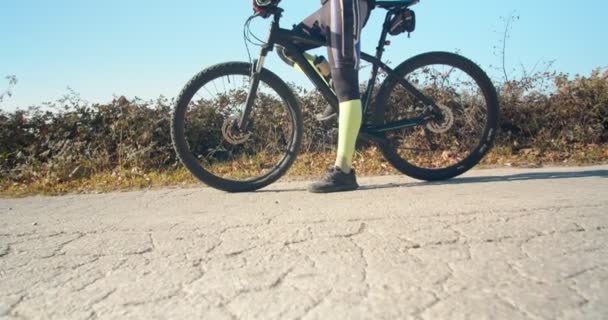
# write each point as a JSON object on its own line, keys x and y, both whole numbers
{"x": 443, "y": 142}
{"x": 237, "y": 154}
{"x": 214, "y": 86}
{"x": 427, "y": 135}
{"x": 210, "y": 94}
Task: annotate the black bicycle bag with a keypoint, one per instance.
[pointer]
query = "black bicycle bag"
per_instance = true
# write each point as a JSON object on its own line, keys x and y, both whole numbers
{"x": 403, "y": 21}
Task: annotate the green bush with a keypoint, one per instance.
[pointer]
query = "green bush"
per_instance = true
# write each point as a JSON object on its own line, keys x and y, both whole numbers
{"x": 76, "y": 140}
{"x": 551, "y": 112}
{"x": 72, "y": 139}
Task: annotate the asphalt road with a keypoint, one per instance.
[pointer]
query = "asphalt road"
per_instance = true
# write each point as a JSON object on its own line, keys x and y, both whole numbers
{"x": 494, "y": 244}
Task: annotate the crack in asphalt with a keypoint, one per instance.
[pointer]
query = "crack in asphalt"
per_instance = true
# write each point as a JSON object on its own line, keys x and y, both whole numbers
{"x": 11, "y": 308}
{"x": 514, "y": 307}
{"x": 364, "y": 266}
{"x": 171, "y": 295}
{"x": 6, "y": 251}
{"x": 316, "y": 303}
{"x": 359, "y": 231}
{"x": 584, "y": 271}
{"x": 101, "y": 299}
{"x": 428, "y": 306}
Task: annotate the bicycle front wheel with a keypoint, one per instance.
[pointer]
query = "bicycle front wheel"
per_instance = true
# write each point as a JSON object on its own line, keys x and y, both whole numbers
{"x": 211, "y": 145}
{"x": 458, "y": 139}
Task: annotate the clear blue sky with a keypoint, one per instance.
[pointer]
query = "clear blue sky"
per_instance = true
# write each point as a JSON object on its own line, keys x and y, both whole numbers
{"x": 148, "y": 48}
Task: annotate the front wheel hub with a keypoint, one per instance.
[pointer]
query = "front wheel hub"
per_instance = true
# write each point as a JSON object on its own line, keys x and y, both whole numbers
{"x": 232, "y": 133}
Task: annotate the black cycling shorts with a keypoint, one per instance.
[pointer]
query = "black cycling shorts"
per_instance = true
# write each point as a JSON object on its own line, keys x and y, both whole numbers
{"x": 340, "y": 22}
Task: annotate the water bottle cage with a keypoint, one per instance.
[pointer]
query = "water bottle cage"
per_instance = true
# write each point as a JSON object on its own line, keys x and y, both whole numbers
{"x": 323, "y": 66}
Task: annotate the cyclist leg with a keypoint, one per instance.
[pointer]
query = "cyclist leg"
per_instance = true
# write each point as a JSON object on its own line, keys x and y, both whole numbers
{"x": 346, "y": 20}
{"x": 312, "y": 26}
{"x": 318, "y": 25}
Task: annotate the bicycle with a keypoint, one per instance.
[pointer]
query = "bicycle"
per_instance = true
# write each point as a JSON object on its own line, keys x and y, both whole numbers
{"x": 248, "y": 136}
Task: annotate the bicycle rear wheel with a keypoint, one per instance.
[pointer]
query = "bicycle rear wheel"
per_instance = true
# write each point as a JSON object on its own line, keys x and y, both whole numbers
{"x": 464, "y": 133}
{"x": 209, "y": 142}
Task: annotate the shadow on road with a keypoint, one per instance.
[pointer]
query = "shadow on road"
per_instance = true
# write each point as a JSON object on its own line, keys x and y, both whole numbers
{"x": 506, "y": 178}
{"x": 467, "y": 180}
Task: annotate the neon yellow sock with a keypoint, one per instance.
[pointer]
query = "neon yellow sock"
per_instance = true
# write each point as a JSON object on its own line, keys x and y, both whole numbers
{"x": 349, "y": 125}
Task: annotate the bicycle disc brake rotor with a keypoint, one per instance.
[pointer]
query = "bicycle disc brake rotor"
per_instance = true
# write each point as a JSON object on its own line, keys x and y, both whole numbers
{"x": 446, "y": 123}
{"x": 232, "y": 133}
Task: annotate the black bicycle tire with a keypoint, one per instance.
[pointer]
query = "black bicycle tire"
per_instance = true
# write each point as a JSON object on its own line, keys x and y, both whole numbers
{"x": 486, "y": 141}
{"x": 189, "y": 161}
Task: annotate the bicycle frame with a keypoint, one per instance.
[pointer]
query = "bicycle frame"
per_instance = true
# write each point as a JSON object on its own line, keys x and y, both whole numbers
{"x": 371, "y": 130}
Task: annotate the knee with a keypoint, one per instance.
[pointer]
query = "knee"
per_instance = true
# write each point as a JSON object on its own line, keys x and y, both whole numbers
{"x": 346, "y": 83}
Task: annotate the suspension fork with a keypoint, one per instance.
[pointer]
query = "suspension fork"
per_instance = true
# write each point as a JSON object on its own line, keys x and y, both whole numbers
{"x": 256, "y": 72}
{"x": 257, "y": 67}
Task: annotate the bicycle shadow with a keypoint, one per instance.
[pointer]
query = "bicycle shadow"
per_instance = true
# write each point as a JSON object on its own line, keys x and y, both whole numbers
{"x": 472, "y": 180}
{"x": 490, "y": 179}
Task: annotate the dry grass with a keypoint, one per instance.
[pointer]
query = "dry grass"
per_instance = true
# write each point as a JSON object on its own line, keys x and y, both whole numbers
{"x": 368, "y": 162}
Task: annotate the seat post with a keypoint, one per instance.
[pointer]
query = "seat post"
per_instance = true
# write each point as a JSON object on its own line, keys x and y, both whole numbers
{"x": 383, "y": 35}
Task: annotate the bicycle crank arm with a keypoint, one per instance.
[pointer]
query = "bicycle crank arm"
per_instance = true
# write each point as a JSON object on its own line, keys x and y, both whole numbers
{"x": 397, "y": 125}
{"x": 370, "y": 137}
